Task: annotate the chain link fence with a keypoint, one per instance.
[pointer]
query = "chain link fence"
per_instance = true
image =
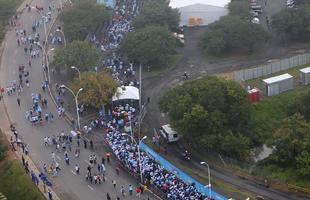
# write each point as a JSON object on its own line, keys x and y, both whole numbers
{"x": 273, "y": 67}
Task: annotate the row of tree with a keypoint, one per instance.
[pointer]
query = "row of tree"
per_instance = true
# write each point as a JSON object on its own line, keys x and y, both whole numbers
{"x": 83, "y": 18}
{"x": 152, "y": 43}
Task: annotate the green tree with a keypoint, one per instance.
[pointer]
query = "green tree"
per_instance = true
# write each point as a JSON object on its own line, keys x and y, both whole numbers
{"x": 84, "y": 17}
{"x": 98, "y": 88}
{"x": 301, "y": 106}
{"x": 77, "y": 53}
{"x": 291, "y": 140}
{"x": 211, "y": 113}
{"x": 303, "y": 164}
{"x": 292, "y": 23}
{"x": 151, "y": 46}
{"x": 157, "y": 13}
{"x": 239, "y": 8}
{"x": 230, "y": 33}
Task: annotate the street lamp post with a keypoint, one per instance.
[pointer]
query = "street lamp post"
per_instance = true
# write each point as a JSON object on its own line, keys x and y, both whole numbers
{"x": 209, "y": 186}
{"x": 46, "y": 54}
{"x": 76, "y": 103}
{"x": 74, "y": 67}
{"x": 139, "y": 152}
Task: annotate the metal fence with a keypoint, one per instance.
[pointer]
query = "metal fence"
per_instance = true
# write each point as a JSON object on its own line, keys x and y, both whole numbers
{"x": 273, "y": 67}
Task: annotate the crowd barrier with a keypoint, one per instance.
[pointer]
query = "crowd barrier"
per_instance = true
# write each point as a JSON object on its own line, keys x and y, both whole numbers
{"x": 182, "y": 175}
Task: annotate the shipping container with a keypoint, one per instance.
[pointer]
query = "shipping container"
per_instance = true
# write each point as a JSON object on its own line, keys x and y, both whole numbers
{"x": 278, "y": 84}
{"x": 305, "y": 76}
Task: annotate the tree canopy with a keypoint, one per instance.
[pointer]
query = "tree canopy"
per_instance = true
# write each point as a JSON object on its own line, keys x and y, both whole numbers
{"x": 292, "y": 144}
{"x": 84, "y": 17}
{"x": 239, "y": 8}
{"x": 98, "y": 88}
{"x": 77, "y": 53}
{"x": 211, "y": 113}
{"x": 292, "y": 23}
{"x": 157, "y": 13}
{"x": 230, "y": 33}
{"x": 151, "y": 46}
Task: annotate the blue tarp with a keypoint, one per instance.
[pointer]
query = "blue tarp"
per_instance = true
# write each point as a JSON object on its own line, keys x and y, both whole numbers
{"x": 182, "y": 175}
{"x": 110, "y": 3}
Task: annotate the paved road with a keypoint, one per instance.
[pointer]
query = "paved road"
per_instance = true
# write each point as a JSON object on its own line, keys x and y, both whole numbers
{"x": 67, "y": 185}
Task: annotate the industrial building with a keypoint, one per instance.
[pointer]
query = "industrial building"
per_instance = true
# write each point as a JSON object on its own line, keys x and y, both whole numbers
{"x": 200, "y": 12}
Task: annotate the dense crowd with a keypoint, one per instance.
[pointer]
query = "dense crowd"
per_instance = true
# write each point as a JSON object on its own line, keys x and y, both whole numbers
{"x": 153, "y": 173}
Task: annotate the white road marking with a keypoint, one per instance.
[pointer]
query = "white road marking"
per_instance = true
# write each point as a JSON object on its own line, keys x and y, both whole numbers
{"x": 73, "y": 172}
{"x": 90, "y": 187}
{"x": 58, "y": 157}
{"x": 87, "y": 162}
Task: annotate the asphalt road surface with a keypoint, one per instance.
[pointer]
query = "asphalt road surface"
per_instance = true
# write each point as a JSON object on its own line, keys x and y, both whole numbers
{"x": 67, "y": 184}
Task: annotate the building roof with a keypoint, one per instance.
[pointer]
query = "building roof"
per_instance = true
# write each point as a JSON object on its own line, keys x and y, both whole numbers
{"x": 207, "y": 13}
{"x": 276, "y": 79}
{"x": 183, "y": 3}
{"x": 305, "y": 70}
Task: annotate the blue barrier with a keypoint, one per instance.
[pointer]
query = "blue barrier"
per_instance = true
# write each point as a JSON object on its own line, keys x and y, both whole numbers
{"x": 186, "y": 178}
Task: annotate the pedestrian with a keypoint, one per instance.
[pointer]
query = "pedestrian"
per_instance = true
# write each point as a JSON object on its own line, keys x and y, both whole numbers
{"x": 45, "y": 168}
{"x": 138, "y": 191}
{"x": 130, "y": 189}
{"x": 114, "y": 183}
{"x": 99, "y": 167}
{"x": 49, "y": 192}
{"x": 23, "y": 160}
{"x": 102, "y": 160}
{"x": 108, "y": 154}
{"x": 108, "y": 196}
{"x": 91, "y": 144}
{"x": 85, "y": 144}
{"x": 18, "y": 101}
{"x": 67, "y": 160}
{"x": 77, "y": 169}
{"x": 123, "y": 191}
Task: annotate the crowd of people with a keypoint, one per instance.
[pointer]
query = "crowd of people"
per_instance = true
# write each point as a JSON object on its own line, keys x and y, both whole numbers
{"x": 153, "y": 173}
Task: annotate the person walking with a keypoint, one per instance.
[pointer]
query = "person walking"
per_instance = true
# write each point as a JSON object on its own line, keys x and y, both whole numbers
{"x": 114, "y": 183}
{"x": 130, "y": 189}
{"x": 91, "y": 145}
{"x": 18, "y": 101}
{"x": 77, "y": 169}
{"x": 50, "y": 195}
{"x": 123, "y": 191}
{"x": 108, "y": 196}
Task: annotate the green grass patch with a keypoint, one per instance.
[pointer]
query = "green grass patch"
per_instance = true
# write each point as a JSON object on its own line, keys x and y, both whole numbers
{"x": 15, "y": 184}
{"x": 289, "y": 175}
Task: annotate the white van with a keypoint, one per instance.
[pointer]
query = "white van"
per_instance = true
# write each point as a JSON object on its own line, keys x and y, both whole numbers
{"x": 168, "y": 133}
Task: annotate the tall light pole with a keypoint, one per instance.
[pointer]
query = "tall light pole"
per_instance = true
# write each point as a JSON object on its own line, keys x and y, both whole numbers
{"x": 46, "y": 54}
{"x": 76, "y": 103}
{"x": 139, "y": 152}
{"x": 74, "y": 67}
{"x": 209, "y": 186}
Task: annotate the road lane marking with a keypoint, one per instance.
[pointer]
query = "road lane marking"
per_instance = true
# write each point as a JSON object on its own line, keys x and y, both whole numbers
{"x": 73, "y": 172}
{"x": 58, "y": 157}
{"x": 90, "y": 187}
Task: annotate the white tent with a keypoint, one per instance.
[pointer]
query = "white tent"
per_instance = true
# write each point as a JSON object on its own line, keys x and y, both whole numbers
{"x": 126, "y": 92}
